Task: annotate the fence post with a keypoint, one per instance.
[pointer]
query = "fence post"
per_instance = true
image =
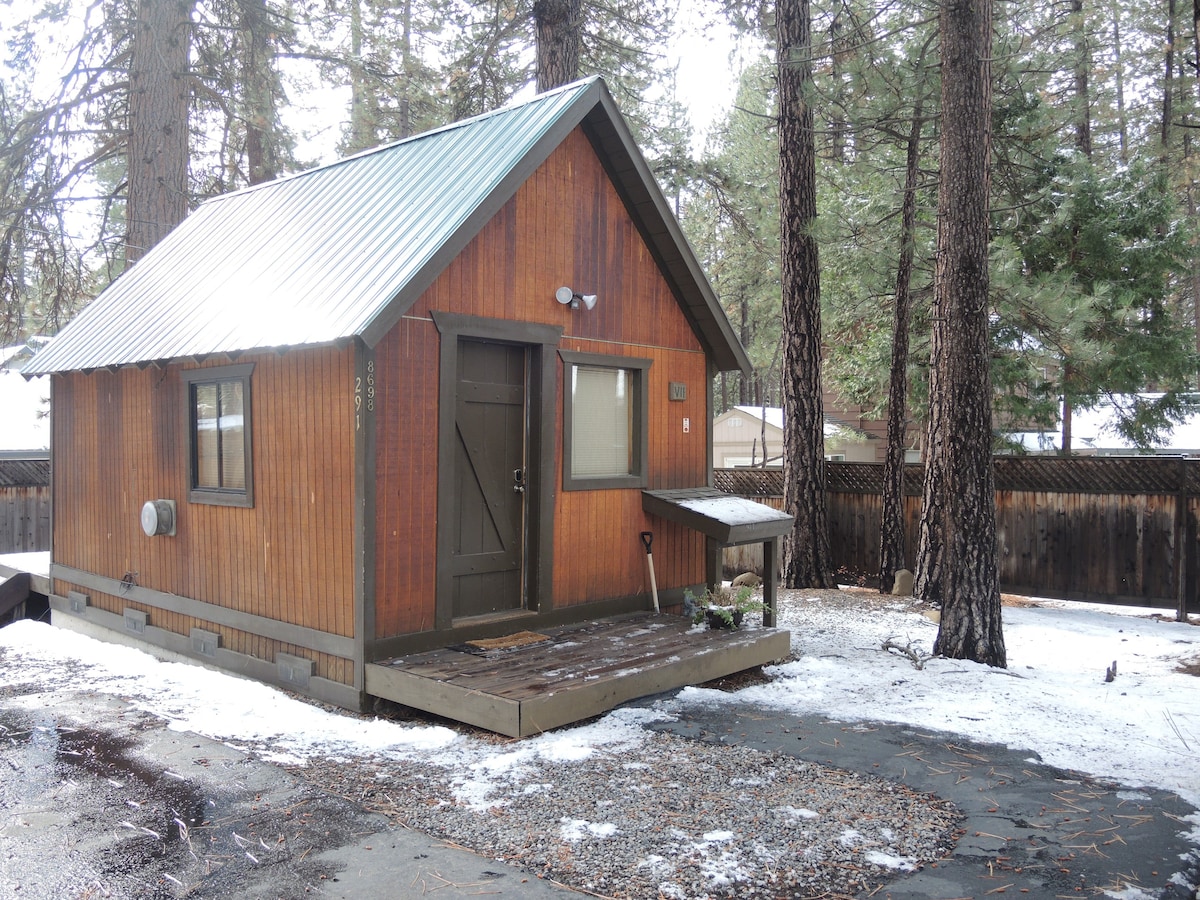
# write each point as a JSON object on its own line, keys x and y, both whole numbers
{"x": 1182, "y": 545}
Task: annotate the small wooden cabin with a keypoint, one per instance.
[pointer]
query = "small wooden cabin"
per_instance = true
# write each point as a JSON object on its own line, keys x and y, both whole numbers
{"x": 392, "y": 404}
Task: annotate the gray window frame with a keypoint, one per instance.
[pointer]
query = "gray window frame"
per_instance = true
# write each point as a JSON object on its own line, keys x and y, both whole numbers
{"x": 639, "y": 440}
{"x": 219, "y": 375}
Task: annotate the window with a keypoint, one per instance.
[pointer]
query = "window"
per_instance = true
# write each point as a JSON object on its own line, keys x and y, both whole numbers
{"x": 605, "y": 441}
{"x": 218, "y": 404}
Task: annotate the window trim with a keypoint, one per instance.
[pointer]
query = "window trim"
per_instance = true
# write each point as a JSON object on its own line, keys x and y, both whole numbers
{"x": 213, "y": 375}
{"x": 639, "y": 440}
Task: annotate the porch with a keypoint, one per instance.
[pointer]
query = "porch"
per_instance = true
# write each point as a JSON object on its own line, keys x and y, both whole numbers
{"x": 538, "y": 681}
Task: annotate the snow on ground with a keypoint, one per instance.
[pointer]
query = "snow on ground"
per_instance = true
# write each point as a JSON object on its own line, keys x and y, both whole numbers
{"x": 1143, "y": 728}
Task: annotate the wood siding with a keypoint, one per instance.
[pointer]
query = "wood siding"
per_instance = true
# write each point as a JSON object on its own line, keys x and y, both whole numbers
{"x": 597, "y": 549}
{"x": 122, "y": 440}
{"x": 565, "y": 226}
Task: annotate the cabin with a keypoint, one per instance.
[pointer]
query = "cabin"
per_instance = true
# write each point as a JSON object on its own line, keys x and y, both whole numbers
{"x": 390, "y": 428}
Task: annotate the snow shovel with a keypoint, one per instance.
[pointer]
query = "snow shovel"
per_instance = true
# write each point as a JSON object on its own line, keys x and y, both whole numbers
{"x": 647, "y": 540}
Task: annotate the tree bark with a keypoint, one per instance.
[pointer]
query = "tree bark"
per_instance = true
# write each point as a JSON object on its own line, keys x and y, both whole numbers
{"x": 1082, "y": 69}
{"x": 744, "y": 335}
{"x": 557, "y": 25}
{"x": 892, "y": 551}
{"x": 962, "y": 499}
{"x": 362, "y": 119}
{"x": 158, "y": 123}
{"x": 1168, "y": 80}
{"x": 808, "y": 560}
{"x": 1119, "y": 77}
{"x": 258, "y": 89}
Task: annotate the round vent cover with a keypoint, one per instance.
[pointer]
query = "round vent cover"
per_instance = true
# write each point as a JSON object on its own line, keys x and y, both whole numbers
{"x": 158, "y": 517}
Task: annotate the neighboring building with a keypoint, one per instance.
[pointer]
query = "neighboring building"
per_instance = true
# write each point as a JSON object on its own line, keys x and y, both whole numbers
{"x": 399, "y": 402}
{"x": 1094, "y": 433}
{"x": 744, "y": 435}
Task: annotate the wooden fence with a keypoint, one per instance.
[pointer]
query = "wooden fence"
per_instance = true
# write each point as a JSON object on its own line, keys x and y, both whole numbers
{"x": 1083, "y": 528}
{"x": 24, "y": 505}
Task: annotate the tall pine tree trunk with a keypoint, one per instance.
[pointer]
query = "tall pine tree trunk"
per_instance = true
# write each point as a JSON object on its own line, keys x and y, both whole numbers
{"x": 1082, "y": 70}
{"x": 158, "y": 123}
{"x": 892, "y": 551}
{"x": 808, "y": 560}
{"x": 258, "y": 92}
{"x": 557, "y": 25}
{"x": 362, "y": 102}
{"x": 961, "y": 503}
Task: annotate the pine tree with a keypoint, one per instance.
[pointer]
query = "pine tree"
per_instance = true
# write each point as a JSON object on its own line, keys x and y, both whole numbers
{"x": 808, "y": 560}
{"x": 958, "y": 524}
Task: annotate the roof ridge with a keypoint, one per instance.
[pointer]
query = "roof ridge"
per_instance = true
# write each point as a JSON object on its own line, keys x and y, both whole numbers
{"x": 509, "y": 107}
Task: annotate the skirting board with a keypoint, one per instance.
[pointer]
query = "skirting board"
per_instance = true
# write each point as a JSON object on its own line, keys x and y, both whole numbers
{"x": 168, "y": 645}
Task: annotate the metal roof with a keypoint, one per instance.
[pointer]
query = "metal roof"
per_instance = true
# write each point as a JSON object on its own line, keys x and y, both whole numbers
{"x": 342, "y": 251}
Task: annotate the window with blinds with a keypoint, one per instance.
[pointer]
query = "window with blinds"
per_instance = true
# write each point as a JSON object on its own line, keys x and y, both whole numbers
{"x": 602, "y": 426}
{"x": 605, "y": 433}
{"x": 218, "y": 402}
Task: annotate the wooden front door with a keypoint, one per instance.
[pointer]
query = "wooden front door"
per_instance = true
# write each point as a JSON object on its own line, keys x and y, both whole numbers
{"x": 490, "y": 416}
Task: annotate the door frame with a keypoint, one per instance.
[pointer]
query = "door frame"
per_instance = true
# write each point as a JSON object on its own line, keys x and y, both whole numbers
{"x": 540, "y": 341}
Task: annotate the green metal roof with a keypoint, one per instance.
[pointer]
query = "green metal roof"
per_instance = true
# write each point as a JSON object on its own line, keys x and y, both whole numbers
{"x": 342, "y": 251}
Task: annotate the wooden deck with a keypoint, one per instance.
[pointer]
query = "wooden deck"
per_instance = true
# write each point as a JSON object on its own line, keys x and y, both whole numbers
{"x": 580, "y": 671}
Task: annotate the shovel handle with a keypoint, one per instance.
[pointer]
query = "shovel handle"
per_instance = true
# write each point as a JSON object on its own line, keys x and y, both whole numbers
{"x": 647, "y": 540}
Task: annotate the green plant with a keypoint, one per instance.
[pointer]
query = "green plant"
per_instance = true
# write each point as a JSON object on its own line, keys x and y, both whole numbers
{"x": 722, "y": 607}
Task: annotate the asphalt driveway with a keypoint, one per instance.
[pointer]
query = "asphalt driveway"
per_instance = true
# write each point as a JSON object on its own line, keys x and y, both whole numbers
{"x": 1030, "y": 829}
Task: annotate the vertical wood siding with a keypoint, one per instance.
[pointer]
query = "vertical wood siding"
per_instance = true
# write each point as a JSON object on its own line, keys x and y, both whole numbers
{"x": 406, "y": 416}
{"x": 597, "y": 549}
{"x": 122, "y": 440}
{"x": 565, "y": 226}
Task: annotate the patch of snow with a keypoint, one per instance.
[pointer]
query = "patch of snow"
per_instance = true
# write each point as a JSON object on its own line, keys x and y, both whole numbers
{"x": 1130, "y": 892}
{"x": 889, "y": 861}
{"x": 577, "y": 829}
{"x": 733, "y": 510}
{"x": 36, "y": 562}
{"x": 793, "y": 812}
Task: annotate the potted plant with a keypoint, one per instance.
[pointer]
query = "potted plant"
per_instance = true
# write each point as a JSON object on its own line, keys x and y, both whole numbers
{"x": 723, "y": 607}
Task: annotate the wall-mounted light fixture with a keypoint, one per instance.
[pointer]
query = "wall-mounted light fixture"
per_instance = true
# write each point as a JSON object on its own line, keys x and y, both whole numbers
{"x": 568, "y": 297}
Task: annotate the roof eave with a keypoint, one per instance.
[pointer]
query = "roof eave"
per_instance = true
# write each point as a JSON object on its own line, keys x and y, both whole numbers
{"x": 643, "y": 197}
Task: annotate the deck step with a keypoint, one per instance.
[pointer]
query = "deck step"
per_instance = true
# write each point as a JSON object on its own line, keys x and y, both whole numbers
{"x": 580, "y": 672}
{"x": 14, "y": 590}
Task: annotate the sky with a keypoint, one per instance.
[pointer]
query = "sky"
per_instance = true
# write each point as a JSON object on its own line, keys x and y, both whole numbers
{"x": 1053, "y": 699}
{"x": 24, "y": 407}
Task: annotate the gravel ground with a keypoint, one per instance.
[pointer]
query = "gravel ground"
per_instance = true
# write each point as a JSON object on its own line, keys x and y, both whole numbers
{"x": 663, "y": 816}
{"x": 673, "y": 818}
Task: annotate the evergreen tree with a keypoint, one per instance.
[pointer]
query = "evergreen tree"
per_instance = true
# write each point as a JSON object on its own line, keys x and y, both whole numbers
{"x": 157, "y": 198}
{"x": 807, "y": 557}
{"x": 732, "y": 218}
{"x": 957, "y": 556}
{"x": 557, "y": 25}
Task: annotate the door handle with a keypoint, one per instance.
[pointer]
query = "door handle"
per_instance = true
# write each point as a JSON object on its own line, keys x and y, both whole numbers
{"x": 518, "y": 481}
